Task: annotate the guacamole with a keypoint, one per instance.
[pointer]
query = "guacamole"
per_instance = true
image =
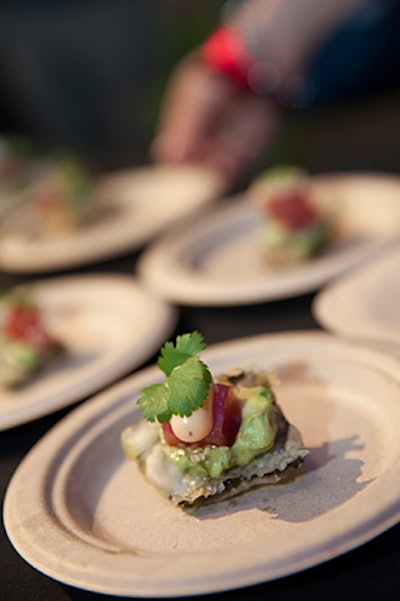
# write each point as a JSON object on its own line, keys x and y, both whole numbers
{"x": 256, "y": 435}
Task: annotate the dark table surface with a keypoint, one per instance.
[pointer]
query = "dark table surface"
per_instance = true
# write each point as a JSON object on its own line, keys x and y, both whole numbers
{"x": 369, "y": 572}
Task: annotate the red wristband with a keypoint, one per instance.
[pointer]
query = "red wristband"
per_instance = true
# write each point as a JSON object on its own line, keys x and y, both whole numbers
{"x": 225, "y": 52}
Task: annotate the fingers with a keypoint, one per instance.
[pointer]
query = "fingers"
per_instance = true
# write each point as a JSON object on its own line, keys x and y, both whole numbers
{"x": 236, "y": 148}
{"x": 191, "y": 104}
{"x": 210, "y": 121}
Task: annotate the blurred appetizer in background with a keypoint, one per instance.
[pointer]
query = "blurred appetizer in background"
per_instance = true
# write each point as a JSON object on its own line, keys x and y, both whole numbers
{"x": 296, "y": 226}
{"x": 57, "y": 189}
{"x": 15, "y": 162}
{"x": 16, "y": 168}
{"x": 63, "y": 194}
{"x": 206, "y": 438}
{"x": 26, "y": 343}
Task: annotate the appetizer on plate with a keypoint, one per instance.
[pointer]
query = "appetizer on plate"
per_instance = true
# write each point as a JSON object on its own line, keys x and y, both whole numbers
{"x": 15, "y": 162}
{"x": 26, "y": 345}
{"x": 62, "y": 192}
{"x": 205, "y": 438}
{"x": 295, "y": 227}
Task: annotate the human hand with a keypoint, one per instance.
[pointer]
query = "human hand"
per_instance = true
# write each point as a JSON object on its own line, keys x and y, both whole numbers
{"x": 208, "y": 120}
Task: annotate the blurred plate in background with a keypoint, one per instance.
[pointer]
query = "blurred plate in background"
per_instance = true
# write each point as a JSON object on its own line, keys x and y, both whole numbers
{"x": 142, "y": 202}
{"x": 365, "y": 303}
{"x": 215, "y": 259}
{"x": 108, "y": 326}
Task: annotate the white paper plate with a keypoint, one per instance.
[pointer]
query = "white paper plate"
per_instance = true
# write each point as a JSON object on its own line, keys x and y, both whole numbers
{"x": 215, "y": 260}
{"x": 79, "y": 512}
{"x": 108, "y": 325}
{"x": 146, "y": 201}
{"x": 364, "y": 304}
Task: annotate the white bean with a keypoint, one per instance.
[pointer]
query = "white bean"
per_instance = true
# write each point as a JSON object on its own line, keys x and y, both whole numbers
{"x": 196, "y": 426}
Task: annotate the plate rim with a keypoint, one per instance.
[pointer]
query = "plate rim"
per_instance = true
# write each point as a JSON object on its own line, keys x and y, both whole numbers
{"x": 360, "y": 276}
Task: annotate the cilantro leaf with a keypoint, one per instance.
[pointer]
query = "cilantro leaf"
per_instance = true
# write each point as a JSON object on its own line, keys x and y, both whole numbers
{"x": 154, "y": 403}
{"x": 187, "y": 345}
{"x": 187, "y": 387}
{"x": 187, "y": 381}
{"x": 191, "y": 343}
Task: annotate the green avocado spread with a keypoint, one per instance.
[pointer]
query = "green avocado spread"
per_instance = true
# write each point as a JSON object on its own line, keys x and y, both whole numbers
{"x": 20, "y": 354}
{"x": 256, "y": 435}
{"x": 303, "y": 243}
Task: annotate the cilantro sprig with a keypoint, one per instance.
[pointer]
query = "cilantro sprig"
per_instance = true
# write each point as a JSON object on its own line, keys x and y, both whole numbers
{"x": 187, "y": 381}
